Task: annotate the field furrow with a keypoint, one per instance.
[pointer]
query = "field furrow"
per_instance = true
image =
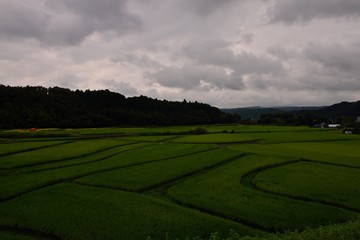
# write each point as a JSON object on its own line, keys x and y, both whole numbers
{"x": 95, "y": 157}
{"x": 170, "y": 183}
{"x": 147, "y": 176}
{"x": 79, "y": 212}
{"x": 17, "y": 184}
{"x": 11, "y": 148}
{"x": 311, "y": 181}
{"x": 220, "y": 191}
{"x": 57, "y": 153}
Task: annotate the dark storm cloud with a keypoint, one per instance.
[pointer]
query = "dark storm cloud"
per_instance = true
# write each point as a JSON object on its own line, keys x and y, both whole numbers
{"x": 64, "y": 21}
{"x": 290, "y": 11}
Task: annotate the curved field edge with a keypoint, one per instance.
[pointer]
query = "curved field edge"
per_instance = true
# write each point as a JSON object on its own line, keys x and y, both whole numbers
{"x": 295, "y": 182}
{"x": 156, "y": 174}
{"x": 213, "y": 190}
{"x": 24, "y": 236}
{"x": 67, "y": 211}
{"x": 62, "y": 152}
{"x": 82, "y": 160}
{"x": 342, "y": 153}
{"x": 15, "y": 185}
{"x": 183, "y": 150}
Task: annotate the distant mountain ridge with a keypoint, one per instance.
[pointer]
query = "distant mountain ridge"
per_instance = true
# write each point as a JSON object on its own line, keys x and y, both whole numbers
{"x": 335, "y": 111}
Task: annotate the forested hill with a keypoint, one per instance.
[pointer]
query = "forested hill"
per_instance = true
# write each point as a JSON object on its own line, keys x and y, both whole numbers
{"x": 348, "y": 109}
{"x": 27, "y": 107}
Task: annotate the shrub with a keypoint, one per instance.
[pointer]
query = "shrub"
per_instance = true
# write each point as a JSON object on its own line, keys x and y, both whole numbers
{"x": 198, "y": 131}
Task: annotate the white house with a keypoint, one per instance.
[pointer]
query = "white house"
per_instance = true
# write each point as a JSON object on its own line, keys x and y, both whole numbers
{"x": 334, "y": 125}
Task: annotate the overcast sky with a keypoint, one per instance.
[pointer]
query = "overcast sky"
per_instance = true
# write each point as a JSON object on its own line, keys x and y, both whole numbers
{"x": 228, "y": 53}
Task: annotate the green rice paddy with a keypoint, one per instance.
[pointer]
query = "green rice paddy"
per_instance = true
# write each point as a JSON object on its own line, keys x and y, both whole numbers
{"x": 164, "y": 183}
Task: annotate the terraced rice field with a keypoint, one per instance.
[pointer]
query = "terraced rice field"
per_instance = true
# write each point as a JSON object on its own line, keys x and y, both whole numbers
{"x": 164, "y": 184}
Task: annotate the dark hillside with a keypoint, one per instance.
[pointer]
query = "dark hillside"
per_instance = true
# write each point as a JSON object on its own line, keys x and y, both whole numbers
{"x": 27, "y": 107}
{"x": 343, "y": 109}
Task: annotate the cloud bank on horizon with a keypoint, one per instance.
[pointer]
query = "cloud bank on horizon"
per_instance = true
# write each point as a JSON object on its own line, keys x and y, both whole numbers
{"x": 229, "y": 53}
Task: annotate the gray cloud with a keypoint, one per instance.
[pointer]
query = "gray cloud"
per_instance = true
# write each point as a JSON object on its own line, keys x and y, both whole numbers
{"x": 67, "y": 81}
{"x": 342, "y": 58}
{"x": 217, "y": 52}
{"x": 206, "y": 7}
{"x": 213, "y": 65}
{"x": 220, "y": 52}
{"x": 283, "y": 53}
{"x": 120, "y": 86}
{"x": 290, "y": 11}
{"x": 332, "y": 68}
{"x": 64, "y": 22}
{"x": 320, "y": 67}
{"x": 247, "y": 38}
{"x": 192, "y": 76}
{"x": 138, "y": 60}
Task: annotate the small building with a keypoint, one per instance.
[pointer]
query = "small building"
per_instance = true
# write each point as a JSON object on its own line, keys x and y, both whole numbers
{"x": 334, "y": 125}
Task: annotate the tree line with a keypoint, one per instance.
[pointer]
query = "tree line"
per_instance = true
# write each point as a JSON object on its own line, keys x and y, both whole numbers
{"x": 41, "y": 107}
{"x": 308, "y": 119}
